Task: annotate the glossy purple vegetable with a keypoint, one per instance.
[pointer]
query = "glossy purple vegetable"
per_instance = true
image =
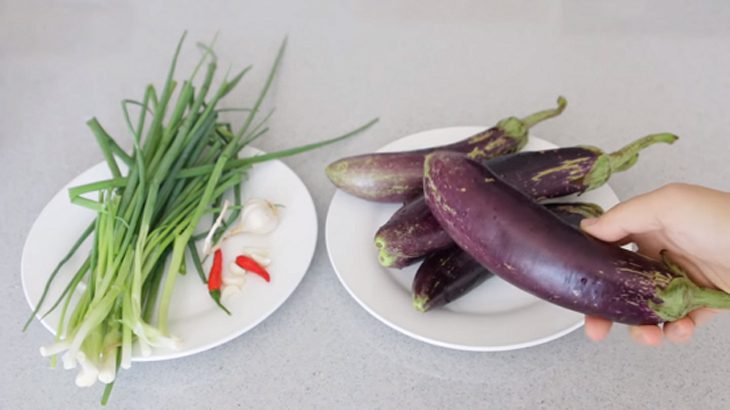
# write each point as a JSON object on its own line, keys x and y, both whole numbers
{"x": 397, "y": 176}
{"x": 451, "y": 273}
{"x": 412, "y": 232}
{"x": 529, "y": 247}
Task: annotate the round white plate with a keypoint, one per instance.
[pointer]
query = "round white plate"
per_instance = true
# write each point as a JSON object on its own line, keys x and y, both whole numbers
{"x": 493, "y": 317}
{"x": 194, "y": 318}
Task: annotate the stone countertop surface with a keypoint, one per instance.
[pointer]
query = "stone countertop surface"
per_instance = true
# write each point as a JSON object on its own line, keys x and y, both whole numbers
{"x": 627, "y": 68}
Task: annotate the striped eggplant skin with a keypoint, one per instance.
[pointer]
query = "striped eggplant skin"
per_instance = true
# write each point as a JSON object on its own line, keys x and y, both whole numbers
{"x": 396, "y": 177}
{"x": 413, "y": 233}
{"x": 409, "y": 235}
{"x": 451, "y": 273}
{"x": 445, "y": 276}
{"x": 565, "y": 171}
{"x": 529, "y": 247}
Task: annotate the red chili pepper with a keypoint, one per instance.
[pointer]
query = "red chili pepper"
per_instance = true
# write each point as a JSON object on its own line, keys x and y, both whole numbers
{"x": 215, "y": 279}
{"x": 252, "y": 266}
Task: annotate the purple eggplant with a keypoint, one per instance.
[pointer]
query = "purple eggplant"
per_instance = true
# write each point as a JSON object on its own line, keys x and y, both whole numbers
{"x": 529, "y": 247}
{"x": 449, "y": 274}
{"x": 397, "y": 176}
{"x": 412, "y": 232}
{"x": 409, "y": 235}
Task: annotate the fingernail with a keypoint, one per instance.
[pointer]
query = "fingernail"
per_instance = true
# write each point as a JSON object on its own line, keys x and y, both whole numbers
{"x": 588, "y": 221}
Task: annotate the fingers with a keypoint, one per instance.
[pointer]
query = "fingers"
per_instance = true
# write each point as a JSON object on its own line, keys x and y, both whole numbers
{"x": 679, "y": 331}
{"x": 702, "y": 316}
{"x": 597, "y": 328}
{"x": 649, "y": 335}
{"x": 637, "y": 215}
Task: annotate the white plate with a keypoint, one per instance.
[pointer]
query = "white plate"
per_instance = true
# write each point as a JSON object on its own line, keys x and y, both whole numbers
{"x": 496, "y": 316}
{"x": 194, "y": 318}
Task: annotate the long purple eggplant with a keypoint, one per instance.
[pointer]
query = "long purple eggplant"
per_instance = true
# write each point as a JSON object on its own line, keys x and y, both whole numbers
{"x": 451, "y": 273}
{"x": 412, "y": 232}
{"x": 397, "y": 176}
{"x": 529, "y": 247}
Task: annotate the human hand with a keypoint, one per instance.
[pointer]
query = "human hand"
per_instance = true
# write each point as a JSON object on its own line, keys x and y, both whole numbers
{"x": 691, "y": 223}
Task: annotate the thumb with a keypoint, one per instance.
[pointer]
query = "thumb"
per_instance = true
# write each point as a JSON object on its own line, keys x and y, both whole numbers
{"x": 637, "y": 215}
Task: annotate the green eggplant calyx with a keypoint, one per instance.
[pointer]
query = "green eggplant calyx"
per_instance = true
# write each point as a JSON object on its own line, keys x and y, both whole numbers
{"x": 675, "y": 299}
{"x": 514, "y": 128}
{"x": 682, "y": 296}
{"x": 517, "y": 128}
{"x": 600, "y": 172}
{"x": 621, "y": 160}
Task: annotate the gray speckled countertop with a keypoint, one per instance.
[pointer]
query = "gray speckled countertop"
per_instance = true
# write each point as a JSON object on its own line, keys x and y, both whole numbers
{"x": 628, "y": 68}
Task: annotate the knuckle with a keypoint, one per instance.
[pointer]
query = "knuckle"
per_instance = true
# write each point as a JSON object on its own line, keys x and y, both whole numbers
{"x": 674, "y": 190}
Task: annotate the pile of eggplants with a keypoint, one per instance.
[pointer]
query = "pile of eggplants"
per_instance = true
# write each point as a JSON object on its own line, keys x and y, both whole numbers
{"x": 475, "y": 208}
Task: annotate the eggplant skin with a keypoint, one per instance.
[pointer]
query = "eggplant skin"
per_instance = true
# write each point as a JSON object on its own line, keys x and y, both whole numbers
{"x": 398, "y": 176}
{"x": 409, "y": 235}
{"x": 379, "y": 177}
{"x": 529, "y": 247}
{"x": 412, "y": 232}
{"x": 445, "y": 276}
{"x": 550, "y": 173}
{"x": 451, "y": 273}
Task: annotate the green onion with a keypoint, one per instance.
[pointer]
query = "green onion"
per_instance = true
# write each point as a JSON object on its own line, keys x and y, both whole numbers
{"x": 183, "y": 161}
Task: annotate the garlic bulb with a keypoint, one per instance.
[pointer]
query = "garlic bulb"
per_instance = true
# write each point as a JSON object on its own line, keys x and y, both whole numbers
{"x": 259, "y": 216}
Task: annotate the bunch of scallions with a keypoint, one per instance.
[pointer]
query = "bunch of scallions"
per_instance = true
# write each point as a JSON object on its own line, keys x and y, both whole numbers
{"x": 183, "y": 160}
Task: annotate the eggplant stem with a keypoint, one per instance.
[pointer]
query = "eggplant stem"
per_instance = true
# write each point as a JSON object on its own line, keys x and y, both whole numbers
{"x": 540, "y": 116}
{"x": 711, "y": 298}
{"x": 682, "y": 296}
{"x": 625, "y": 157}
{"x": 607, "y": 164}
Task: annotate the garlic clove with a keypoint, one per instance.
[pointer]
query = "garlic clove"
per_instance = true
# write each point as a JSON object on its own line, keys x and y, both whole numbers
{"x": 235, "y": 270}
{"x": 236, "y": 276}
{"x": 234, "y": 280}
{"x": 229, "y": 291}
{"x": 261, "y": 256}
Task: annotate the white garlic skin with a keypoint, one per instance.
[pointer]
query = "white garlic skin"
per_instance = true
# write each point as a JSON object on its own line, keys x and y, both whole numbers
{"x": 261, "y": 256}
{"x": 258, "y": 217}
